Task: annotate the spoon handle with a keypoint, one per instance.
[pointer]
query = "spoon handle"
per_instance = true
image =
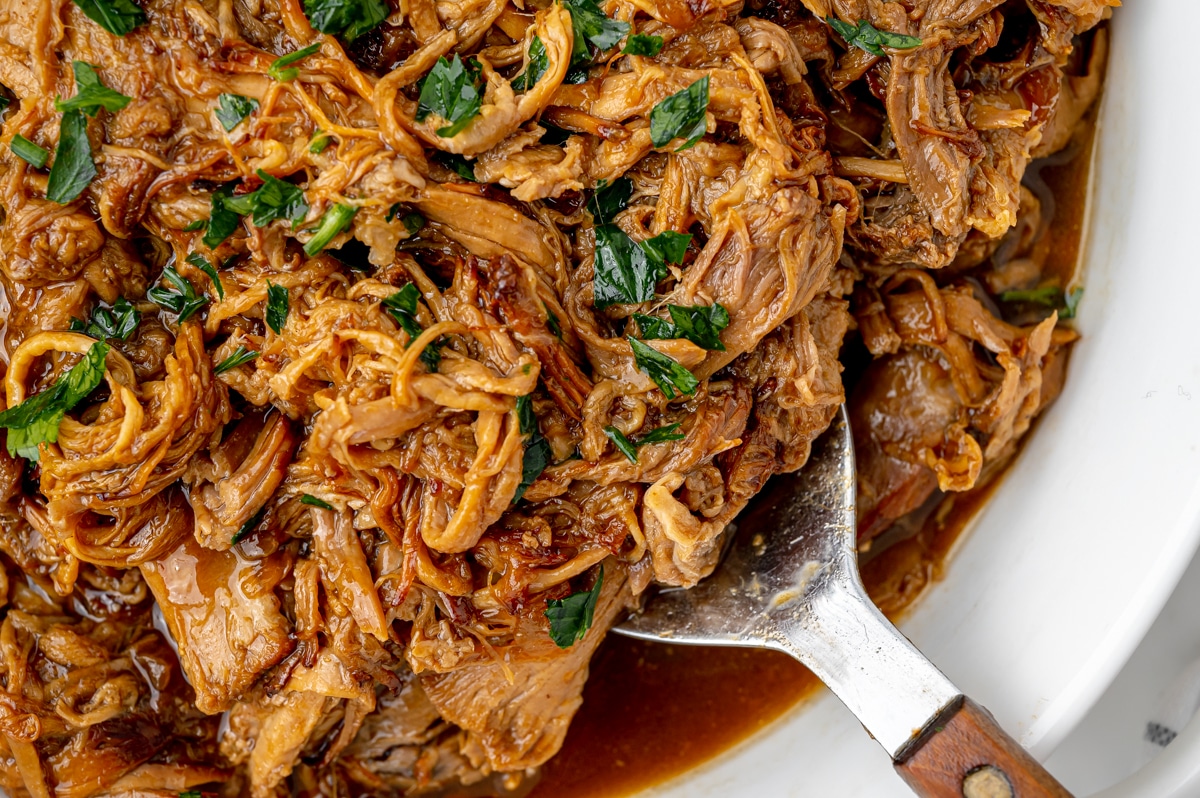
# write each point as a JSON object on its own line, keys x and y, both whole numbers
{"x": 968, "y": 755}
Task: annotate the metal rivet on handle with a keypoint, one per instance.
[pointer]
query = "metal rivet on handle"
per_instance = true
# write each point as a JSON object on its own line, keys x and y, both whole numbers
{"x": 986, "y": 782}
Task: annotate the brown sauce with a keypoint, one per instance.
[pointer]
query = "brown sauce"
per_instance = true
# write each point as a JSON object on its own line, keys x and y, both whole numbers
{"x": 653, "y": 711}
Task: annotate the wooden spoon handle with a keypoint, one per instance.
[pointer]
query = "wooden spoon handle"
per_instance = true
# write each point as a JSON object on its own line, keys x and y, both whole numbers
{"x": 968, "y": 755}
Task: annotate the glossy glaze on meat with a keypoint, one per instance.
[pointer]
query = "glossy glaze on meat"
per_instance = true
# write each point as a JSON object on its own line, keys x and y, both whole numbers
{"x": 309, "y": 573}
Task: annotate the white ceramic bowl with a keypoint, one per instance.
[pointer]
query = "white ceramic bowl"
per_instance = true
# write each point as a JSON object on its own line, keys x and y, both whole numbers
{"x": 1084, "y": 541}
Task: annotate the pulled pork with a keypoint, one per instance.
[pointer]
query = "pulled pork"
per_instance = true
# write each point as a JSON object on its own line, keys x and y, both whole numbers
{"x": 403, "y": 383}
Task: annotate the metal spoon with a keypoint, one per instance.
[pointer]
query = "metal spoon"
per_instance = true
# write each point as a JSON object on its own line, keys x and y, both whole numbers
{"x": 790, "y": 582}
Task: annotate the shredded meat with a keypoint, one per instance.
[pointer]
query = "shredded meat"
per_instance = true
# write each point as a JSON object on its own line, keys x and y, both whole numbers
{"x": 364, "y": 426}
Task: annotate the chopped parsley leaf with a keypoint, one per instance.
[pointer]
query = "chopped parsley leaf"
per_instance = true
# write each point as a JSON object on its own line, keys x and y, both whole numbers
{"x": 451, "y": 91}
{"x": 277, "y": 307}
{"x": 682, "y": 115}
{"x": 402, "y": 306}
{"x": 233, "y": 108}
{"x": 643, "y": 44}
{"x": 118, "y": 322}
{"x": 623, "y": 272}
{"x": 73, "y": 168}
{"x": 240, "y": 357}
{"x": 90, "y": 94}
{"x": 866, "y": 36}
{"x": 36, "y": 420}
{"x": 350, "y": 18}
{"x": 118, "y": 17}
{"x": 539, "y": 62}
{"x": 700, "y": 324}
{"x": 609, "y": 199}
{"x": 180, "y": 298}
{"x": 629, "y": 448}
{"x": 205, "y": 265}
{"x": 571, "y": 617}
{"x": 670, "y": 377}
{"x": 274, "y": 199}
{"x": 592, "y": 27}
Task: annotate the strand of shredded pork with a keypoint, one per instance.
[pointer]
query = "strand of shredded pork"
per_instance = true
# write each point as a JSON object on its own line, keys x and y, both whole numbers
{"x": 309, "y": 574}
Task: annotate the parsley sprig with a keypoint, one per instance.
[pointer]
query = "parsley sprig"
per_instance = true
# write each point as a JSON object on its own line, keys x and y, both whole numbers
{"x": 36, "y": 420}
{"x": 571, "y": 617}
{"x": 451, "y": 90}
{"x": 866, "y": 36}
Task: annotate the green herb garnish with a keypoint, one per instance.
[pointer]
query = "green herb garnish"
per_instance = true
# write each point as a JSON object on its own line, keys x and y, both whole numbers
{"x": 866, "y": 36}
{"x": 629, "y": 448}
{"x": 90, "y": 94}
{"x": 73, "y": 169}
{"x": 1051, "y": 296}
{"x": 682, "y": 115}
{"x": 180, "y": 298}
{"x": 451, "y": 91}
{"x": 233, "y": 108}
{"x": 700, "y": 324}
{"x": 313, "y": 501}
{"x": 552, "y": 322}
{"x": 571, "y": 617}
{"x": 539, "y": 62}
{"x": 319, "y": 143}
{"x": 118, "y": 322}
{"x": 666, "y": 372}
{"x": 457, "y": 164}
{"x": 205, "y": 265}
{"x": 643, "y": 44}
{"x": 240, "y": 357}
{"x": 274, "y": 199}
{"x": 623, "y": 272}
{"x": 222, "y": 220}
{"x": 413, "y": 222}
{"x": 402, "y": 306}
{"x": 248, "y": 527}
{"x": 592, "y": 26}
{"x": 192, "y": 227}
{"x": 282, "y": 70}
{"x": 350, "y": 18}
{"x": 335, "y": 220}
{"x": 36, "y": 420}
{"x": 277, "y": 307}
{"x": 609, "y": 199}
{"x": 118, "y": 17}
{"x": 29, "y": 152}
